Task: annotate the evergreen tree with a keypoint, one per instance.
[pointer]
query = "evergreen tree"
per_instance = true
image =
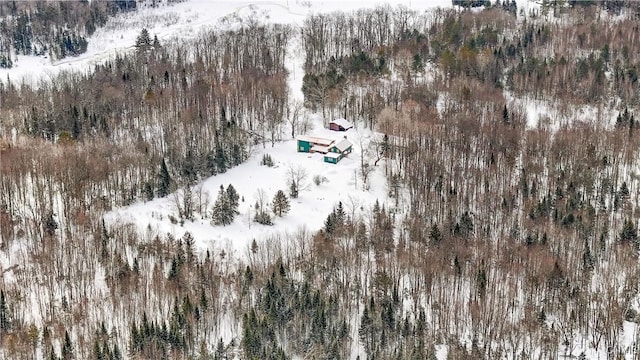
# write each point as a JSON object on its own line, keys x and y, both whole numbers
{"x": 434, "y": 235}
{"x": 188, "y": 171}
{"x": 164, "y": 181}
{"x": 50, "y": 224}
{"x": 97, "y": 350}
{"x": 148, "y": 191}
{"x": 67, "y": 347}
{"x": 233, "y": 198}
{"x": 220, "y": 159}
{"x": 293, "y": 190}
{"x": 335, "y": 220}
{"x": 481, "y": 281}
{"x": 364, "y": 332}
{"x": 629, "y": 233}
{"x": 341, "y": 216}
{"x": 624, "y": 190}
{"x": 251, "y": 341}
{"x": 417, "y": 64}
{"x": 505, "y": 115}
{"x": 116, "y": 354}
{"x": 280, "y": 204}
{"x": 330, "y": 223}
{"x": 466, "y": 224}
{"x": 52, "y": 354}
{"x": 587, "y": 258}
{"x": 4, "y": 313}
{"x": 143, "y": 41}
{"x": 174, "y": 271}
{"x": 223, "y": 212}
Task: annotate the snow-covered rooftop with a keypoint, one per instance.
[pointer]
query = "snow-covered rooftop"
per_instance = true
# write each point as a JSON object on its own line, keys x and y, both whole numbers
{"x": 316, "y": 140}
{"x": 342, "y": 122}
{"x": 343, "y": 145}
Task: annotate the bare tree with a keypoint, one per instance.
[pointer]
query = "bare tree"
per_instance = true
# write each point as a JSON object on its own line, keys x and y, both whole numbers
{"x": 297, "y": 180}
{"x": 294, "y": 112}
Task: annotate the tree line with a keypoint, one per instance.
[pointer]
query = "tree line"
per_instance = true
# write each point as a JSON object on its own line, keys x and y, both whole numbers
{"x": 498, "y": 237}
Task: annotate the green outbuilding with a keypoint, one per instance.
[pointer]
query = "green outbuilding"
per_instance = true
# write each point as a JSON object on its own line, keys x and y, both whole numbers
{"x": 332, "y": 157}
{"x": 310, "y": 144}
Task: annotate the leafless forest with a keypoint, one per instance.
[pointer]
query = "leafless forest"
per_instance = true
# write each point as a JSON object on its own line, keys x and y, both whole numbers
{"x": 500, "y": 238}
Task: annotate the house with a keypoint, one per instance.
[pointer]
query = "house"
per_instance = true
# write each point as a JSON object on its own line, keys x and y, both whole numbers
{"x": 333, "y": 151}
{"x": 338, "y": 150}
{"x": 312, "y": 144}
{"x": 340, "y": 125}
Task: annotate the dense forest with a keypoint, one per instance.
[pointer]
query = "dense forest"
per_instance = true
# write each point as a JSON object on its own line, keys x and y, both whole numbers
{"x": 499, "y": 238}
{"x": 55, "y": 29}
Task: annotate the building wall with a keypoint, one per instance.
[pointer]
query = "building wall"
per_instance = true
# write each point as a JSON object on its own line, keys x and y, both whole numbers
{"x": 333, "y": 160}
{"x": 303, "y": 146}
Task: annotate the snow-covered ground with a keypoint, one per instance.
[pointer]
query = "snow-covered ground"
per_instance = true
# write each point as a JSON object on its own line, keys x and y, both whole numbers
{"x": 309, "y": 210}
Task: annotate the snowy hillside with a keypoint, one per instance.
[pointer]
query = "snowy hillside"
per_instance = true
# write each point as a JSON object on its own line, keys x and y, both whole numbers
{"x": 185, "y": 20}
{"x": 487, "y": 210}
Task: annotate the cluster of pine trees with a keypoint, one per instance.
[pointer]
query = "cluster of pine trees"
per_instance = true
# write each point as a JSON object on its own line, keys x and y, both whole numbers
{"x": 226, "y": 206}
{"x": 52, "y": 28}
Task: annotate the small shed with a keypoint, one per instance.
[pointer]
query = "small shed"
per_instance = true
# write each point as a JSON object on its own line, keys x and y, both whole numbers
{"x": 332, "y": 157}
{"x": 340, "y": 125}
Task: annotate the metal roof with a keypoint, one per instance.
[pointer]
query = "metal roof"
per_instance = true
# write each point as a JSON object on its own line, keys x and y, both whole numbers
{"x": 343, "y": 145}
{"x": 315, "y": 140}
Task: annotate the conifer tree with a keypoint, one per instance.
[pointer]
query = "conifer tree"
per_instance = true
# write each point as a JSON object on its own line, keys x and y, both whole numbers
{"x": 143, "y": 41}
{"x": 4, "y": 313}
{"x": 164, "y": 181}
{"x": 116, "y": 354}
{"x": 233, "y": 197}
{"x": 280, "y": 204}
{"x": 629, "y": 233}
{"x": 220, "y": 351}
{"x": 67, "y": 347}
{"x": 434, "y": 235}
{"x": 293, "y": 190}
{"x": 222, "y": 210}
